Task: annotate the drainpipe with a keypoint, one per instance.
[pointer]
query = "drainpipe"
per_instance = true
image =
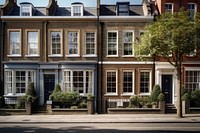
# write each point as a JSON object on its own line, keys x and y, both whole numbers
{"x": 101, "y": 65}
{"x": 45, "y": 42}
{"x": 98, "y": 60}
{"x": 2, "y": 56}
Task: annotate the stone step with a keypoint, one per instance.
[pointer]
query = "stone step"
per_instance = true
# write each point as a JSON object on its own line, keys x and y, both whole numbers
{"x": 170, "y": 109}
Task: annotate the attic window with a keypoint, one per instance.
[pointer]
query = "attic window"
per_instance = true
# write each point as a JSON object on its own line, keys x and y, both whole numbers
{"x": 123, "y": 8}
{"x": 77, "y": 9}
{"x": 26, "y": 9}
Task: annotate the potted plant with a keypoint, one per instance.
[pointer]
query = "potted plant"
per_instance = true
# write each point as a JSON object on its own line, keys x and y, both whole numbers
{"x": 155, "y": 93}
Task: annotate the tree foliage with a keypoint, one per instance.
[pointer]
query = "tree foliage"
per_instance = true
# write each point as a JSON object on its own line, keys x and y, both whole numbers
{"x": 171, "y": 35}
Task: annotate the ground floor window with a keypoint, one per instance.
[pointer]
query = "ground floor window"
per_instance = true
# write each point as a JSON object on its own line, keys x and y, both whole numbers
{"x": 111, "y": 82}
{"x": 128, "y": 81}
{"x": 16, "y": 81}
{"x": 145, "y": 82}
{"x": 81, "y": 81}
{"x": 192, "y": 80}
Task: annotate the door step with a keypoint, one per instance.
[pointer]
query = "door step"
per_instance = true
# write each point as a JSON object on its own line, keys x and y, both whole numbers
{"x": 39, "y": 110}
{"x": 170, "y": 108}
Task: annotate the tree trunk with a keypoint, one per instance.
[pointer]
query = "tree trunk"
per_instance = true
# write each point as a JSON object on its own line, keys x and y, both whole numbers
{"x": 179, "y": 103}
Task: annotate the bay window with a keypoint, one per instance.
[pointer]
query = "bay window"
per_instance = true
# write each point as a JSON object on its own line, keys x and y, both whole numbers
{"x": 81, "y": 81}
{"x": 17, "y": 81}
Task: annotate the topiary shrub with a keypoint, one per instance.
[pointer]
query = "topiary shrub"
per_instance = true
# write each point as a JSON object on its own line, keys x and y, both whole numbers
{"x": 186, "y": 97}
{"x": 57, "y": 88}
{"x": 195, "y": 98}
{"x": 161, "y": 97}
{"x": 31, "y": 90}
{"x": 31, "y": 93}
{"x": 135, "y": 102}
{"x": 155, "y": 93}
{"x": 56, "y": 95}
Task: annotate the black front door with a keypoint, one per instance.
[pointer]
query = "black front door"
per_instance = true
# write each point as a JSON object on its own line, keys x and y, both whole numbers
{"x": 49, "y": 84}
{"x": 167, "y": 87}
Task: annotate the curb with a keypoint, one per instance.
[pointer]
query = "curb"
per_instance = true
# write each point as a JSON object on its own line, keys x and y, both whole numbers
{"x": 27, "y": 122}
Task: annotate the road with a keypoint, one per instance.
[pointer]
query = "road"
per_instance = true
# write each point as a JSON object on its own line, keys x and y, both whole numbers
{"x": 101, "y": 128}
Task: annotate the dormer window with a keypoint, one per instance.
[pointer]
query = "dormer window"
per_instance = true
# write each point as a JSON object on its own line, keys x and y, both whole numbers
{"x": 77, "y": 9}
{"x": 122, "y": 8}
{"x": 26, "y": 9}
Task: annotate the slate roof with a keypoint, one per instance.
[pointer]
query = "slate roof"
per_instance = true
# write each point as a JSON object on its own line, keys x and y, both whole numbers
{"x": 60, "y": 11}
{"x": 110, "y": 10}
{"x": 66, "y": 11}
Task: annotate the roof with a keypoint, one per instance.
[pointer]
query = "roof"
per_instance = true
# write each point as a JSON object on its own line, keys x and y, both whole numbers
{"x": 110, "y": 10}
{"x": 39, "y": 11}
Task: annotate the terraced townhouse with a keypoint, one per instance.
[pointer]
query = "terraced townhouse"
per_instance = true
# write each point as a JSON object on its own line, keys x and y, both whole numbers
{"x": 86, "y": 49}
{"x": 165, "y": 74}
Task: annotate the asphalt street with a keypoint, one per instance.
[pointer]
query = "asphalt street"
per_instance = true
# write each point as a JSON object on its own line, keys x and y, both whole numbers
{"x": 101, "y": 128}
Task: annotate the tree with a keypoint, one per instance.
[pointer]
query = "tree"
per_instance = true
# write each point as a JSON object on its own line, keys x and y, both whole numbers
{"x": 171, "y": 36}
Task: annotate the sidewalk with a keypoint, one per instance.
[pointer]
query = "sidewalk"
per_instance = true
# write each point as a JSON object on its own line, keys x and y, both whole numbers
{"x": 101, "y": 118}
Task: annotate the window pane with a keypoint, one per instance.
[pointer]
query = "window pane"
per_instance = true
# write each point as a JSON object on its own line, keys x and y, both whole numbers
{"x": 123, "y": 9}
{"x": 112, "y": 43}
{"x": 191, "y": 9}
{"x": 128, "y": 82}
{"x": 111, "y": 82}
{"x": 144, "y": 82}
{"x": 73, "y": 42}
{"x": 78, "y": 82}
{"x": 8, "y": 81}
{"x": 128, "y": 43}
{"x": 90, "y": 43}
{"x": 20, "y": 81}
{"x": 192, "y": 80}
{"x": 14, "y": 43}
{"x": 67, "y": 80}
{"x": 89, "y": 82}
{"x": 33, "y": 42}
{"x": 55, "y": 42}
{"x": 77, "y": 10}
{"x": 25, "y": 10}
{"x": 168, "y": 8}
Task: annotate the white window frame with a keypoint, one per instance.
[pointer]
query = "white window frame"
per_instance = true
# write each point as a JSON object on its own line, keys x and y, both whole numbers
{"x": 78, "y": 44}
{"x": 123, "y": 42}
{"x": 13, "y": 72}
{"x": 195, "y": 7}
{"x": 198, "y": 79}
{"x": 111, "y": 93}
{"x": 20, "y": 43}
{"x": 169, "y": 10}
{"x": 84, "y": 81}
{"x": 90, "y": 55}
{"x": 73, "y": 9}
{"x": 29, "y": 7}
{"x": 150, "y": 82}
{"x": 38, "y": 44}
{"x": 133, "y": 83}
{"x": 61, "y": 44}
{"x": 112, "y": 31}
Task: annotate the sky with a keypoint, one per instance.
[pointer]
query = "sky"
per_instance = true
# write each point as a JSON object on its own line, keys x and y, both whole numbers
{"x": 67, "y": 3}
